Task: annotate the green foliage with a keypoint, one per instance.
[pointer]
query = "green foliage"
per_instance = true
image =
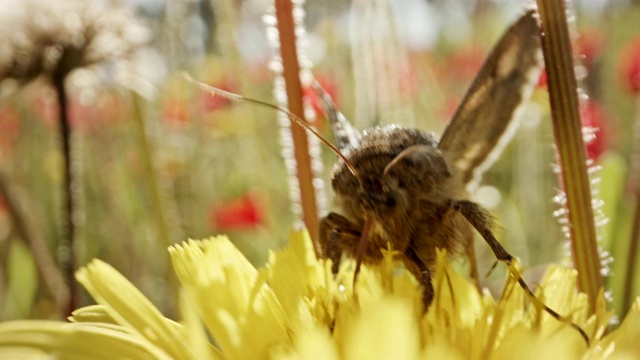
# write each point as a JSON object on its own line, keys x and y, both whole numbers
{"x": 22, "y": 282}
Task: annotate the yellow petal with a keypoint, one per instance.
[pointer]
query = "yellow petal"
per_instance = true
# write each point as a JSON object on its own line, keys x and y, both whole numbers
{"x": 34, "y": 338}
{"x": 302, "y": 284}
{"x": 440, "y": 348}
{"x": 455, "y": 294}
{"x": 235, "y": 302}
{"x": 296, "y": 309}
{"x": 92, "y": 313}
{"x": 130, "y": 308}
{"x": 194, "y": 331}
{"x": 457, "y": 307}
{"x": 558, "y": 291}
{"x": 214, "y": 262}
{"x": 316, "y": 343}
{"x": 623, "y": 342}
{"x": 387, "y": 330}
{"x": 522, "y": 343}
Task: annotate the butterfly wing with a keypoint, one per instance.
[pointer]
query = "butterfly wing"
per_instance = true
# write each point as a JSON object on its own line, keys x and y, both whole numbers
{"x": 344, "y": 134}
{"x": 487, "y": 117}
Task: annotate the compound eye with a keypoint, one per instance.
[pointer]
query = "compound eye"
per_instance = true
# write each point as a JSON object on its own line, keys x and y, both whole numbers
{"x": 391, "y": 201}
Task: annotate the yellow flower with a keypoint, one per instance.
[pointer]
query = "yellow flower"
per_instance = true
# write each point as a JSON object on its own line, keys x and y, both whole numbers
{"x": 294, "y": 308}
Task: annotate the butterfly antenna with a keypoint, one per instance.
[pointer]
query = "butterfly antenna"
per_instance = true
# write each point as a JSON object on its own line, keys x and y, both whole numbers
{"x": 292, "y": 117}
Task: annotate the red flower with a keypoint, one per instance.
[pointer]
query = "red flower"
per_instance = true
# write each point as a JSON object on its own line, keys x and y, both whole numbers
{"x": 542, "y": 80}
{"x": 45, "y": 105}
{"x": 86, "y": 118}
{"x": 243, "y": 213}
{"x": 594, "y": 118}
{"x": 175, "y": 112}
{"x": 589, "y": 45}
{"x": 629, "y": 66}
{"x": 465, "y": 63}
{"x": 9, "y": 130}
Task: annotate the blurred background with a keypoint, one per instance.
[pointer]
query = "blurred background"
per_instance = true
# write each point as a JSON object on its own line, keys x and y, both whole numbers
{"x": 154, "y": 160}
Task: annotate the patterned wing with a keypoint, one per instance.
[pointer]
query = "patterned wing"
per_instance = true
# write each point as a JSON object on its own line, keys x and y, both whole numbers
{"x": 487, "y": 117}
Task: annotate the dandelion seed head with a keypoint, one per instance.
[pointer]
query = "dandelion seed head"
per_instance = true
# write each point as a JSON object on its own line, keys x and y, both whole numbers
{"x": 41, "y": 37}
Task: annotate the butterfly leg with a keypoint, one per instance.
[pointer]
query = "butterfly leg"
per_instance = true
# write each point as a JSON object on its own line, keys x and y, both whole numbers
{"x": 422, "y": 273}
{"x": 481, "y": 220}
{"x": 470, "y": 252}
{"x": 337, "y": 235}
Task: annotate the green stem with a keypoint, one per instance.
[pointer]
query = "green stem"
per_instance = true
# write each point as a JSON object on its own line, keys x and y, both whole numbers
{"x": 157, "y": 198}
{"x": 567, "y": 129}
{"x": 632, "y": 258}
{"x": 18, "y": 204}
{"x": 634, "y": 246}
